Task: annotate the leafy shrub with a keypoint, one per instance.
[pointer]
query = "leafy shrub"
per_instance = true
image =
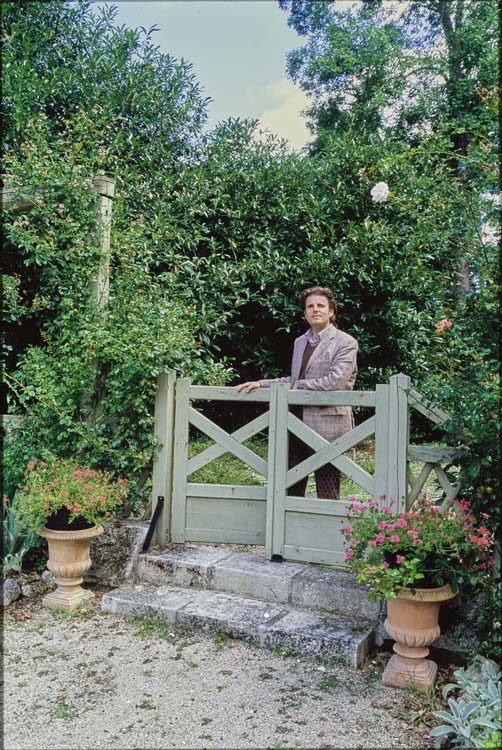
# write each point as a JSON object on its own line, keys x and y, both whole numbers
{"x": 17, "y": 540}
{"x": 475, "y": 718}
{"x": 488, "y": 620}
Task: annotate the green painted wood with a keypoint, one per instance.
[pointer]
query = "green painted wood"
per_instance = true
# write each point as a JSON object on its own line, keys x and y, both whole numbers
{"x": 180, "y": 460}
{"x": 229, "y": 443}
{"x": 215, "y": 451}
{"x": 306, "y": 529}
{"x": 425, "y": 407}
{"x": 358, "y": 434}
{"x": 272, "y": 441}
{"x": 162, "y": 478}
{"x": 397, "y": 483}
{"x": 229, "y": 520}
{"x": 316, "y": 505}
{"x": 228, "y": 393}
{"x": 418, "y": 483}
{"x": 225, "y": 537}
{"x": 225, "y": 514}
{"x": 280, "y": 467}
{"x": 330, "y": 452}
{"x": 331, "y": 398}
{"x": 298, "y": 553}
{"x": 434, "y": 454}
{"x": 316, "y": 536}
{"x": 237, "y": 491}
{"x": 380, "y": 477}
{"x": 450, "y": 490}
{"x": 358, "y": 475}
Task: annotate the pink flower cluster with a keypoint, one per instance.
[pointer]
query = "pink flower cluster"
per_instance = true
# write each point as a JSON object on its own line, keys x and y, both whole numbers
{"x": 62, "y": 483}
{"x": 430, "y": 544}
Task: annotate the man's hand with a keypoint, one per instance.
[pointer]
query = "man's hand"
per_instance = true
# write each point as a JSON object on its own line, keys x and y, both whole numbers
{"x": 248, "y": 387}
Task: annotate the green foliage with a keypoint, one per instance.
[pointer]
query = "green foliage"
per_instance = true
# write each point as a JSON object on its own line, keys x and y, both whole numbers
{"x": 18, "y": 543}
{"x": 151, "y": 628}
{"x": 271, "y": 224}
{"x": 474, "y": 719}
{"x": 329, "y": 684}
{"x": 348, "y": 63}
{"x": 488, "y": 621}
{"x": 439, "y": 59}
{"x": 68, "y": 60}
{"x": 17, "y": 540}
{"x": 87, "y": 379}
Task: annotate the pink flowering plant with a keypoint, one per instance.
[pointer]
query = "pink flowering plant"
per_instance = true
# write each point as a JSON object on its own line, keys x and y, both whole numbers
{"x": 86, "y": 493}
{"x": 426, "y": 547}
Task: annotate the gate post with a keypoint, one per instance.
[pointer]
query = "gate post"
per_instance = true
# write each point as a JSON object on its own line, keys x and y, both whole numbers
{"x": 381, "y": 477}
{"x": 180, "y": 460}
{"x": 277, "y": 469}
{"x": 162, "y": 479}
{"x": 399, "y": 436}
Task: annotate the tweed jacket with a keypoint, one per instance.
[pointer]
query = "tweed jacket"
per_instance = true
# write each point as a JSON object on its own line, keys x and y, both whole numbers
{"x": 331, "y": 367}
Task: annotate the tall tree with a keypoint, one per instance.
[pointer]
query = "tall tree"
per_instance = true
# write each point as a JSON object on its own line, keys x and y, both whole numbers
{"x": 82, "y": 97}
{"x": 399, "y": 67}
{"x": 400, "y": 70}
{"x": 63, "y": 59}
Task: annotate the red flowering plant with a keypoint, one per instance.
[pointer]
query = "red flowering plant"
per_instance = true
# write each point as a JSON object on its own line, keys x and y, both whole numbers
{"x": 85, "y": 493}
{"x": 425, "y": 547}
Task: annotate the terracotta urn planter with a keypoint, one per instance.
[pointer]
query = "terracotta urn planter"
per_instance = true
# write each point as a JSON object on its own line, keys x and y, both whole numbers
{"x": 412, "y": 620}
{"x": 69, "y": 559}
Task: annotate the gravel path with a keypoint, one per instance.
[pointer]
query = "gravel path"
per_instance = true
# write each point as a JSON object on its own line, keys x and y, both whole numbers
{"x": 95, "y": 680}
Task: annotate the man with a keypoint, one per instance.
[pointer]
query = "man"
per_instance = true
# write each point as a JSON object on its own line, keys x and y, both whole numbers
{"x": 324, "y": 359}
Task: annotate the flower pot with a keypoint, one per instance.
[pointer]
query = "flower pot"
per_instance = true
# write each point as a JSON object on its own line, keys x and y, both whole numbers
{"x": 412, "y": 620}
{"x": 69, "y": 559}
{"x": 59, "y": 521}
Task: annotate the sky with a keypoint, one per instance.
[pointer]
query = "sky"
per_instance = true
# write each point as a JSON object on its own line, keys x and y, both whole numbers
{"x": 238, "y": 51}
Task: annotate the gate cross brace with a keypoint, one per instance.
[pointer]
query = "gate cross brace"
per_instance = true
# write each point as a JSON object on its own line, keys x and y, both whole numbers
{"x": 331, "y": 452}
{"x": 227, "y": 441}
{"x": 215, "y": 451}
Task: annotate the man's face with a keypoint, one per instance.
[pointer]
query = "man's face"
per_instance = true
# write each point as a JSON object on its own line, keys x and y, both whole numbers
{"x": 317, "y": 312}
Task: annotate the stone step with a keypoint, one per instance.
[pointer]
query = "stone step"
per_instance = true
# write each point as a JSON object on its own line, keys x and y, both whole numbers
{"x": 270, "y": 625}
{"x": 308, "y": 587}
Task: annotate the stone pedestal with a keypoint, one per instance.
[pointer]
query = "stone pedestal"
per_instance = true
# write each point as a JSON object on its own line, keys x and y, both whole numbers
{"x": 412, "y": 620}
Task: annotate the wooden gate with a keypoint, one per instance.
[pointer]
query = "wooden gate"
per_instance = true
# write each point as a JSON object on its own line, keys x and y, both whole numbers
{"x": 294, "y": 528}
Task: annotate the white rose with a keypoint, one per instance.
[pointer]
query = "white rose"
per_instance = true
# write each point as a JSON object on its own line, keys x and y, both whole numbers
{"x": 380, "y": 192}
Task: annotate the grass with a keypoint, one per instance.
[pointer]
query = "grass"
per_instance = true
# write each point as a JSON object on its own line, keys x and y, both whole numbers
{"x": 222, "y": 640}
{"x": 284, "y": 653}
{"x": 149, "y": 628}
{"x": 228, "y": 469}
{"x": 63, "y": 712}
{"x": 84, "y": 611}
{"x": 329, "y": 684}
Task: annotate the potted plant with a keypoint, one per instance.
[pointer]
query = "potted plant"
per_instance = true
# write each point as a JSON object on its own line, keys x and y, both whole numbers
{"x": 415, "y": 560}
{"x": 66, "y": 504}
